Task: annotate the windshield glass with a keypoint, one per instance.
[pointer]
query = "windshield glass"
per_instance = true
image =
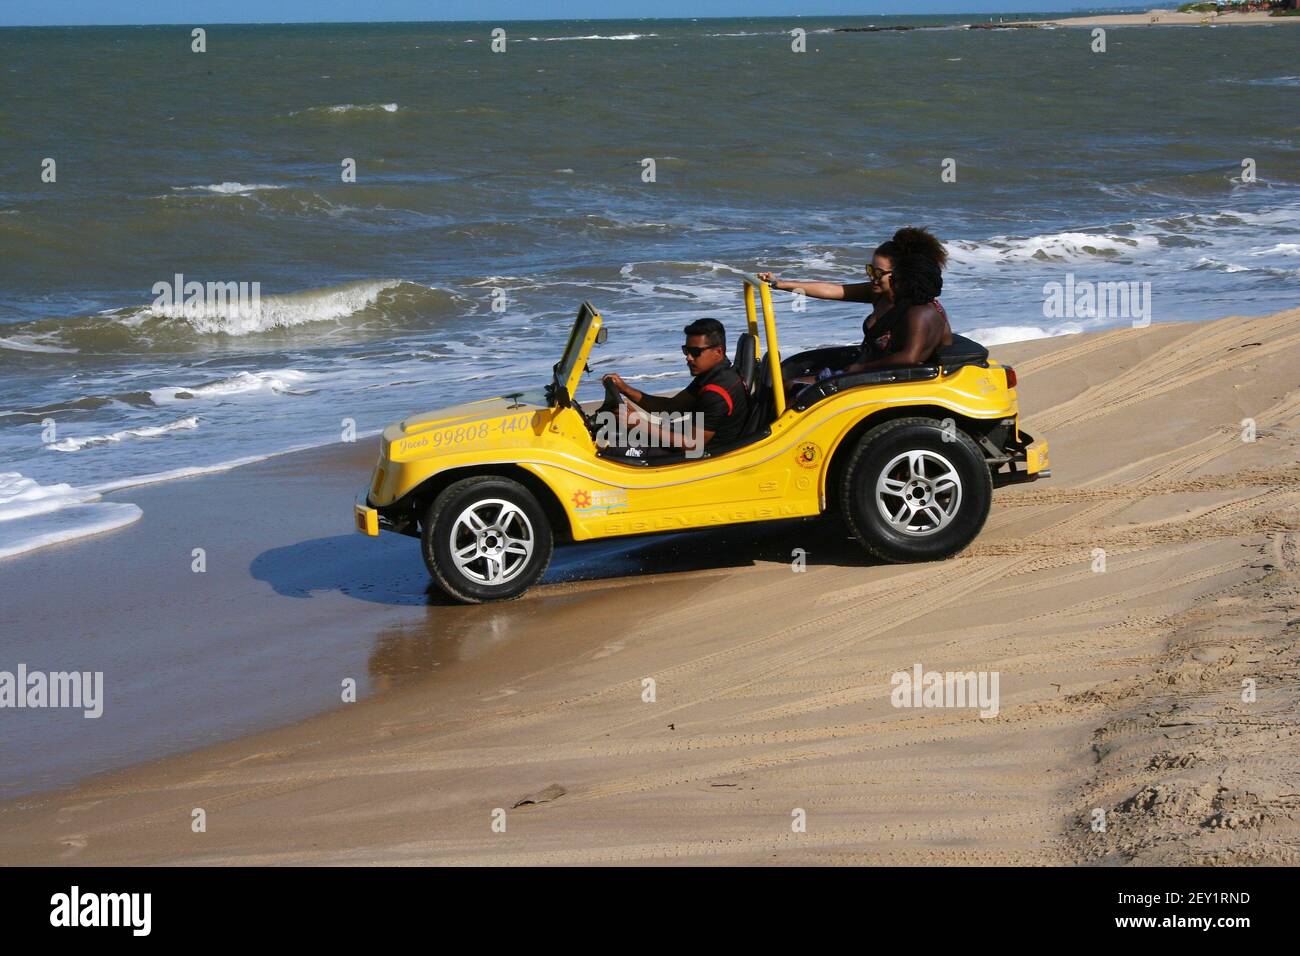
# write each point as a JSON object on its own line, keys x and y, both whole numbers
{"x": 564, "y": 367}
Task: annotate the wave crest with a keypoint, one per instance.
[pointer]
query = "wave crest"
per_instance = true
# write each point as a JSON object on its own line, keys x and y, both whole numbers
{"x": 1051, "y": 247}
{"x": 227, "y": 188}
{"x": 367, "y": 306}
{"x": 346, "y": 108}
{"x": 150, "y": 431}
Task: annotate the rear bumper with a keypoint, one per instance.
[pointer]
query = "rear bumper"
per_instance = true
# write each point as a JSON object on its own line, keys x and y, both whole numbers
{"x": 1028, "y": 461}
{"x": 1036, "y": 461}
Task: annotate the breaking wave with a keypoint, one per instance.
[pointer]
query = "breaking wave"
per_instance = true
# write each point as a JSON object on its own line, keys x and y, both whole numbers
{"x": 278, "y": 382}
{"x": 227, "y": 189}
{"x": 347, "y": 108}
{"x": 596, "y": 36}
{"x": 149, "y": 431}
{"x": 1052, "y": 247}
{"x": 372, "y": 306}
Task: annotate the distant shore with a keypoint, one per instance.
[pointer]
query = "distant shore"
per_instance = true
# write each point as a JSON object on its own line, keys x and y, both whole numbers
{"x": 1157, "y": 18}
{"x": 1166, "y": 18}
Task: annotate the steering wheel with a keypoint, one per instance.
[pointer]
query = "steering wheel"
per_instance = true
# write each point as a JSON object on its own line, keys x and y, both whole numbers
{"x": 612, "y": 395}
{"x": 590, "y": 421}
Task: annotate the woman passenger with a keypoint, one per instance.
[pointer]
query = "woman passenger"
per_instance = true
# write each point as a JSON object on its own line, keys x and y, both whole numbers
{"x": 907, "y": 324}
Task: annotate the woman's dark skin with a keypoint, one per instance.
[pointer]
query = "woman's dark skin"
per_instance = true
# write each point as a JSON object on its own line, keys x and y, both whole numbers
{"x": 927, "y": 329}
{"x": 879, "y": 292}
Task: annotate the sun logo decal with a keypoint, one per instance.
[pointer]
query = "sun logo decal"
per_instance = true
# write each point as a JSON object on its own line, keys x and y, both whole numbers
{"x": 582, "y": 499}
{"x": 808, "y": 454}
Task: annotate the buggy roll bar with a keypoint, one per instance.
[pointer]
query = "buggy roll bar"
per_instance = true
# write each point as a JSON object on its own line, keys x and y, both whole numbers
{"x": 772, "y": 354}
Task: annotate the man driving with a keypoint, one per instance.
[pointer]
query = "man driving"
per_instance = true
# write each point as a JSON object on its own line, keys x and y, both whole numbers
{"x": 715, "y": 399}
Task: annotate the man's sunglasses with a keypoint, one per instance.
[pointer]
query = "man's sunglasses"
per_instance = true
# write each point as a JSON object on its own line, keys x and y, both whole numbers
{"x": 695, "y": 351}
{"x": 877, "y": 274}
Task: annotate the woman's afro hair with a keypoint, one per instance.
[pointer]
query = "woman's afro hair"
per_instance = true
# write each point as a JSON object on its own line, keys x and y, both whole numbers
{"x": 917, "y": 278}
{"x": 915, "y": 240}
{"x": 918, "y": 259}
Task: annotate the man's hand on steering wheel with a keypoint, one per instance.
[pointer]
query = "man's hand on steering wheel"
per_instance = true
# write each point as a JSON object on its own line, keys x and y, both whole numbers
{"x": 616, "y": 381}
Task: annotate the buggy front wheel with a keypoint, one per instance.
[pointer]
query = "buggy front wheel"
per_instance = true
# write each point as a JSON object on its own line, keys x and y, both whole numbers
{"x": 486, "y": 539}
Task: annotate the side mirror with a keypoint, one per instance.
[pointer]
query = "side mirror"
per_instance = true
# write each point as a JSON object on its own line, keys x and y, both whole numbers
{"x": 601, "y": 335}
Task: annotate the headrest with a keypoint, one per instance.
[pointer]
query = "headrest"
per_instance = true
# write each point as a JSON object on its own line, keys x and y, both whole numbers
{"x": 744, "y": 363}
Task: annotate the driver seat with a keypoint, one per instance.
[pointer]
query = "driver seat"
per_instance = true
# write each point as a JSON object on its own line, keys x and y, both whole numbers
{"x": 745, "y": 362}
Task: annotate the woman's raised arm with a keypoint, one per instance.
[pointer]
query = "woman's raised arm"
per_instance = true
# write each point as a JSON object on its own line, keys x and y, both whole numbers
{"x": 837, "y": 291}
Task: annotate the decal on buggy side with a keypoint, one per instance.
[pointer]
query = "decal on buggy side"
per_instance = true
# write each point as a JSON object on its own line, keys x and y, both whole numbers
{"x": 604, "y": 500}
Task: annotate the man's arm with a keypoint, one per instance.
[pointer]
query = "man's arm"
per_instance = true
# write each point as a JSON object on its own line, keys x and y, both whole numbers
{"x": 681, "y": 402}
{"x": 709, "y": 411}
{"x": 669, "y": 437}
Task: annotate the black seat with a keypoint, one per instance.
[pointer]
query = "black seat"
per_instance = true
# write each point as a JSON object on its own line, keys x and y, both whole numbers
{"x": 959, "y": 354}
{"x": 760, "y": 406}
{"x": 948, "y": 359}
{"x": 839, "y": 383}
{"x": 744, "y": 363}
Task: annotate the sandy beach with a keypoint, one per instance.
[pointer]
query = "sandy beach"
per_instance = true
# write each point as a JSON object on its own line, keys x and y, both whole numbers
{"x": 1168, "y": 18}
{"x": 1121, "y": 689}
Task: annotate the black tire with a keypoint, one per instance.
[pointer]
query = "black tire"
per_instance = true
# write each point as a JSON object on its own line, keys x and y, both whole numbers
{"x": 949, "y": 518}
{"x": 470, "y": 581}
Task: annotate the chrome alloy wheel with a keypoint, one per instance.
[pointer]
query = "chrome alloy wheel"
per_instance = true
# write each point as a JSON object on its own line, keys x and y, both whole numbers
{"x": 492, "y": 541}
{"x": 918, "y": 492}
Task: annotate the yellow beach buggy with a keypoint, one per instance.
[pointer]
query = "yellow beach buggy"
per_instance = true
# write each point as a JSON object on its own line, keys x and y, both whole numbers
{"x": 908, "y": 457}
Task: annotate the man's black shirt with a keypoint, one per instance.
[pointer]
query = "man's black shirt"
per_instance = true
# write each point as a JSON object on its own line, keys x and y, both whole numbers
{"x": 720, "y": 397}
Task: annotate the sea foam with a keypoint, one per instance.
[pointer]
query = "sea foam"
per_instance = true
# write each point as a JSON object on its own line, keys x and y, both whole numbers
{"x": 277, "y": 382}
{"x": 150, "y": 431}
{"x": 35, "y": 516}
{"x": 228, "y": 188}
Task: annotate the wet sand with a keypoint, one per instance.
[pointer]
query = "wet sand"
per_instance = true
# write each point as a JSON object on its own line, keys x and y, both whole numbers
{"x": 291, "y": 602}
{"x": 1120, "y": 690}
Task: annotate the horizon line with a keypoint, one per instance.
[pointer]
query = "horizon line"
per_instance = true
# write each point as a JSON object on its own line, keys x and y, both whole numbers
{"x": 497, "y": 20}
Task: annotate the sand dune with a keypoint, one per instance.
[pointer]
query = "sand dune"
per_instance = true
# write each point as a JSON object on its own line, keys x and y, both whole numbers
{"x": 1121, "y": 690}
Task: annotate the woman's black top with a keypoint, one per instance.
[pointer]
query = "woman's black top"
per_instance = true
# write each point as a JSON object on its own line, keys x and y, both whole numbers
{"x": 889, "y": 333}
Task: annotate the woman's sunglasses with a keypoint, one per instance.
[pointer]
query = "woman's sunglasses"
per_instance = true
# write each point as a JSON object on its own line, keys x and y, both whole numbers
{"x": 877, "y": 274}
{"x": 695, "y": 351}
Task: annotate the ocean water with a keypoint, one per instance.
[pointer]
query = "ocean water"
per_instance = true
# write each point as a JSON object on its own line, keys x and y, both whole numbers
{"x": 522, "y": 172}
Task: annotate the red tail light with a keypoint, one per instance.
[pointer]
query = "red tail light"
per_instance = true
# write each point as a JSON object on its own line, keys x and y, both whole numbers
{"x": 1011, "y": 377}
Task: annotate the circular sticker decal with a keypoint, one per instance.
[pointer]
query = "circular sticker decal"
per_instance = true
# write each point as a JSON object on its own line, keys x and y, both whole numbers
{"x": 808, "y": 455}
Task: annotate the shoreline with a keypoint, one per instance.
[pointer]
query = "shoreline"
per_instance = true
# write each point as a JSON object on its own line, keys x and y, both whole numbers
{"x": 1154, "y": 17}
{"x": 1167, "y": 18}
{"x": 773, "y": 689}
{"x": 99, "y": 491}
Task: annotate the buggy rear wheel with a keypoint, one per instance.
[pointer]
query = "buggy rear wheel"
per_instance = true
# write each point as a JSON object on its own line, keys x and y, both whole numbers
{"x": 915, "y": 490}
